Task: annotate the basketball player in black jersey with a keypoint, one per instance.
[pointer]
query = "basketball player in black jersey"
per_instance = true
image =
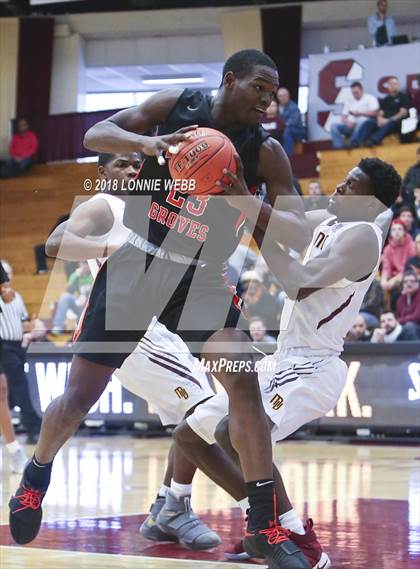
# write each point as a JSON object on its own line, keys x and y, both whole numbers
{"x": 172, "y": 266}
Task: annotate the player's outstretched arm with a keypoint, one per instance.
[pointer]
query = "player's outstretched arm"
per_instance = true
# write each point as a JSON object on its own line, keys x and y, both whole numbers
{"x": 122, "y": 132}
{"x": 353, "y": 257}
{"x": 286, "y": 213}
{"x": 69, "y": 240}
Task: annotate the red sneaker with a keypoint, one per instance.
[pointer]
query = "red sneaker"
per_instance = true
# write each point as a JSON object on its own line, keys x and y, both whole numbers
{"x": 311, "y": 547}
{"x": 308, "y": 543}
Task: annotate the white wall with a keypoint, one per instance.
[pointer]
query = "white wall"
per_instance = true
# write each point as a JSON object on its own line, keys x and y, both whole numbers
{"x": 67, "y": 81}
{"x": 141, "y": 51}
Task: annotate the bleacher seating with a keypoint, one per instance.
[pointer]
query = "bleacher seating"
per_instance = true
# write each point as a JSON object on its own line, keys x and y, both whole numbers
{"x": 30, "y": 206}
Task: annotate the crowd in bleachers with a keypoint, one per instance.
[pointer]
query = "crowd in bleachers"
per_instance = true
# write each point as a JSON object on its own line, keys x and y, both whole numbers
{"x": 391, "y": 308}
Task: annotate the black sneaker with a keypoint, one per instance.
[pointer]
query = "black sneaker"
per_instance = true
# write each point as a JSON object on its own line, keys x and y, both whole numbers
{"x": 25, "y": 513}
{"x": 275, "y": 545}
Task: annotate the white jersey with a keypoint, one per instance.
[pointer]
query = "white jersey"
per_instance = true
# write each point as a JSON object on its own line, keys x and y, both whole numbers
{"x": 117, "y": 235}
{"x": 161, "y": 369}
{"x": 322, "y": 320}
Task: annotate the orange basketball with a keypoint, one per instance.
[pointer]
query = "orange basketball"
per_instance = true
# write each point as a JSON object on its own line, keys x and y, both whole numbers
{"x": 201, "y": 160}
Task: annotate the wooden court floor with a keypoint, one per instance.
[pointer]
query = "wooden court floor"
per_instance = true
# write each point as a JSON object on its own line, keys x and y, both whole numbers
{"x": 365, "y": 501}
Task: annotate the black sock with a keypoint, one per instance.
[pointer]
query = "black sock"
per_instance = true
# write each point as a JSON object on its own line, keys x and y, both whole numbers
{"x": 261, "y": 502}
{"x": 37, "y": 474}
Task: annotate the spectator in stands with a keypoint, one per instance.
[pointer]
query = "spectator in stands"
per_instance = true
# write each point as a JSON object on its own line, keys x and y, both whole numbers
{"x": 39, "y": 251}
{"x": 411, "y": 222}
{"x": 381, "y": 27}
{"x": 373, "y": 304}
{"x": 399, "y": 249}
{"x": 14, "y": 314}
{"x": 411, "y": 180}
{"x": 272, "y": 121}
{"x": 413, "y": 263}
{"x": 316, "y": 198}
{"x": 393, "y": 108}
{"x": 74, "y": 299}
{"x": 408, "y": 303}
{"x": 22, "y": 150}
{"x": 362, "y": 107}
{"x": 290, "y": 113}
{"x": 258, "y": 330}
{"x": 259, "y": 301}
{"x": 359, "y": 331}
{"x": 416, "y": 193}
{"x": 392, "y": 331}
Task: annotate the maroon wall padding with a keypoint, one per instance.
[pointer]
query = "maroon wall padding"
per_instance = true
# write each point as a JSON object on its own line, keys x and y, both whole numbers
{"x": 36, "y": 37}
{"x": 61, "y": 136}
{"x": 281, "y": 31}
{"x": 304, "y": 165}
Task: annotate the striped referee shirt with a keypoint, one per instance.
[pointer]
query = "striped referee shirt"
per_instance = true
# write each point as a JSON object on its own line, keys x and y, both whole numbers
{"x": 12, "y": 315}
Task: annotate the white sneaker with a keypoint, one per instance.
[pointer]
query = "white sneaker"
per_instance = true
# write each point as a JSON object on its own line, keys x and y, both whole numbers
{"x": 18, "y": 460}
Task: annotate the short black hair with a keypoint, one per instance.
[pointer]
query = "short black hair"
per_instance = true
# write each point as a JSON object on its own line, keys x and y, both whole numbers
{"x": 242, "y": 62}
{"x": 104, "y": 158}
{"x": 356, "y": 84}
{"x": 385, "y": 181}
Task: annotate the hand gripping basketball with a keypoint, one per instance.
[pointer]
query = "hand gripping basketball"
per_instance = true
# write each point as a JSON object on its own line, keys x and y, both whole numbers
{"x": 201, "y": 159}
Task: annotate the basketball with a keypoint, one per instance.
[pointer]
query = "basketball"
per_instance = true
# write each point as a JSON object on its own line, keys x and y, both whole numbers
{"x": 202, "y": 158}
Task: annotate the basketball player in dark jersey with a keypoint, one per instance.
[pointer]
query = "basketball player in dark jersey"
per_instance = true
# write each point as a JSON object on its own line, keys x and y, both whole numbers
{"x": 172, "y": 267}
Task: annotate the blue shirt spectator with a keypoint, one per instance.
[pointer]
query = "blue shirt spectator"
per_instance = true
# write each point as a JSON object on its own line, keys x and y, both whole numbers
{"x": 381, "y": 27}
{"x": 290, "y": 114}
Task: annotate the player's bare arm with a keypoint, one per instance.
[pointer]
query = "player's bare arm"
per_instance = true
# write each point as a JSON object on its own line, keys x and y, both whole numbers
{"x": 69, "y": 240}
{"x": 286, "y": 214}
{"x": 353, "y": 257}
{"x": 122, "y": 132}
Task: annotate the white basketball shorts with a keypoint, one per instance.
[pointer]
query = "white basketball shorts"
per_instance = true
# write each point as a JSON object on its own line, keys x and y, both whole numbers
{"x": 163, "y": 371}
{"x": 297, "y": 386}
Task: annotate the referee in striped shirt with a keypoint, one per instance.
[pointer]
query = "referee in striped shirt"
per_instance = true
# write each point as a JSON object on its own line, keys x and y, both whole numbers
{"x": 14, "y": 358}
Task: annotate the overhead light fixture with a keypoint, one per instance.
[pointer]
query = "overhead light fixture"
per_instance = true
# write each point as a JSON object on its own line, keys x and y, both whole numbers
{"x": 173, "y": 80}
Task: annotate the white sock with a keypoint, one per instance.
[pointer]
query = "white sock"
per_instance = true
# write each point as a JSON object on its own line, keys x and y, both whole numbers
{"x": 13, "y": 447}
{"x": 163, "y": 491}
{"x": 180, "y": 490}
{"x": 244, "y": 505}
{"x": 290, "y": 520}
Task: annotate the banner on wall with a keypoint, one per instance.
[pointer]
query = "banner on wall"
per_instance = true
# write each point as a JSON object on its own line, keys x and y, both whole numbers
{"x": 382, "y": 390}
{"x": 331, "y": 74}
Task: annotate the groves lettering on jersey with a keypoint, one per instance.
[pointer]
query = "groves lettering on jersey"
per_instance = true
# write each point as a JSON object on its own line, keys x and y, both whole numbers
{"x": 194, "y": 205}
{"x": 179, "y": 220}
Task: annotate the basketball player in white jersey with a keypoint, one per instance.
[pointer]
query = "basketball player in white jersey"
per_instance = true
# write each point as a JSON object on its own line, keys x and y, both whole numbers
{"x": 304, "y": 378}
{"x": 159, "y": 369}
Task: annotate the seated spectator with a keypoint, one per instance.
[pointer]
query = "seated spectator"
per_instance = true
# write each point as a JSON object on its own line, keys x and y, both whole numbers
{"x": 74, "y": 299}
{"x": 22, "y": 150}
{"x": 416, "y": 193}
{"x": 39, "y": 250}
{"x": 413, "y": 263}
{"x": 393, "y": 108}
{"x": 359, "y": 331}
{"x": 372, "y": 304}
{"x": 381, "y": 27}
{"x": 411, "y": 180}
{"x": 290, "y": 113}
{"x": 259, "y": 301}
{"x": 316, "y": 198}
{"x": 258, "y": 330}
{"x": 355, "y": 112}
{"x": 392, "y": 331}
{"x": 411, "y": 222}
{"x": 272, "y": 121}
{"x": 408, "y": 303}
{"x": 399, "y": 249}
